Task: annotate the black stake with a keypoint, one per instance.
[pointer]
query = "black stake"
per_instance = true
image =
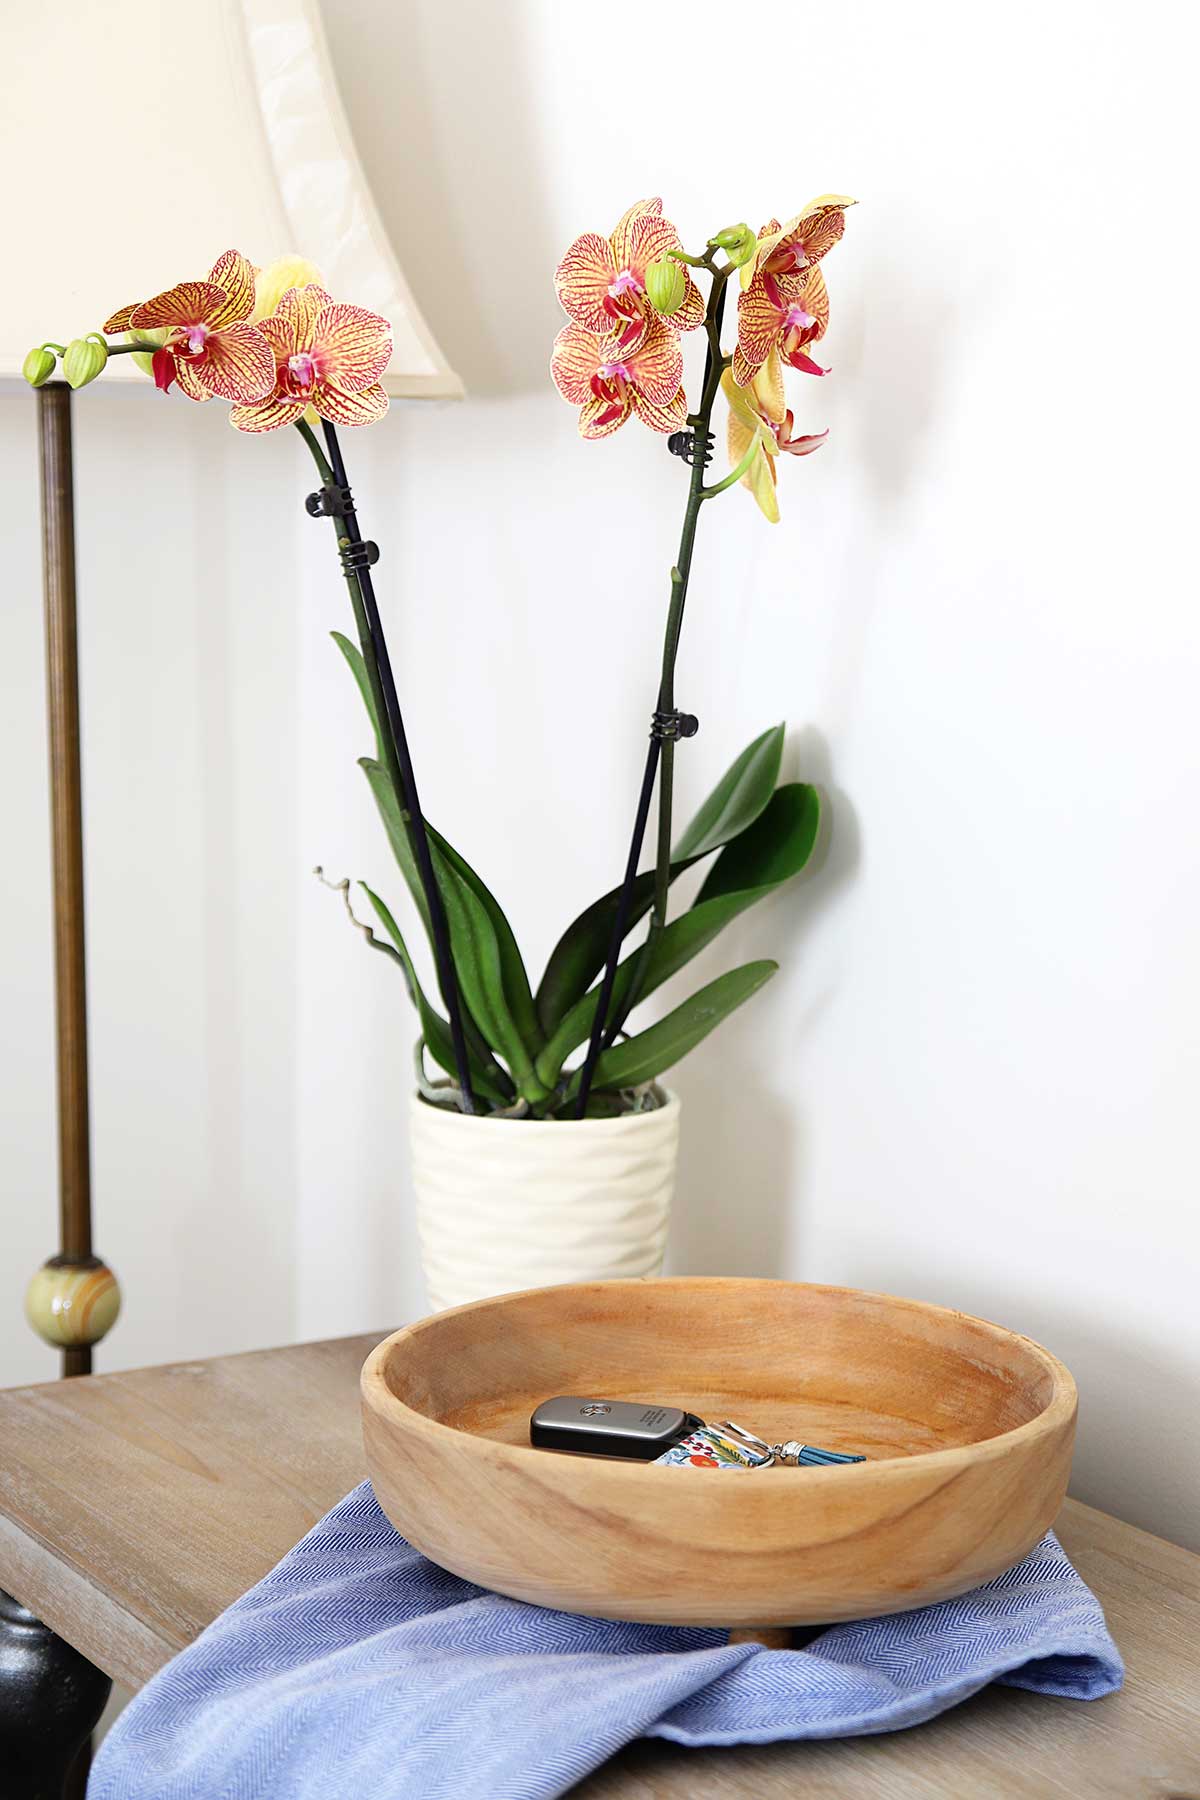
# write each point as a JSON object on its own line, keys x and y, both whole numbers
{"x": 620, "y": 925}
{"x": 357, "y": 557}
{"x": 668, "y": 725}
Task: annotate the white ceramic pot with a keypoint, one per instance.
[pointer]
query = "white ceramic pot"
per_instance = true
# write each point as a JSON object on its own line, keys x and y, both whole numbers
{"x": 518, "y": 1203}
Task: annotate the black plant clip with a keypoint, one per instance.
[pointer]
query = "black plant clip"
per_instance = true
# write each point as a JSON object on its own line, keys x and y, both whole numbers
{"x": 334, "y": 502}
{"x": 330, "y": 502}
{"x": 687, "y": 445}
{"x": 355, "y": 557}
{"x": 668, "y": 726}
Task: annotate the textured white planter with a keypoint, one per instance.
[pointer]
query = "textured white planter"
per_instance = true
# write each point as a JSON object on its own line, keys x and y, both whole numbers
{"x": 518, "y": 1203}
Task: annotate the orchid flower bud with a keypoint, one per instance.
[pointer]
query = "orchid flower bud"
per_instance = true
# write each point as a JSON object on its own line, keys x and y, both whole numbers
{"x": 738, "y": 242}
{"x": 83, "y": 359}
{"x": 153, "y": 340}
{"x": 666, "y": 285}
{"x": 38, "y": 366}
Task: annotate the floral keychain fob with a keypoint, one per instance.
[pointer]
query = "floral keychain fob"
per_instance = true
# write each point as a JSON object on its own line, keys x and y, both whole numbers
{"x": 714, "y": 1447}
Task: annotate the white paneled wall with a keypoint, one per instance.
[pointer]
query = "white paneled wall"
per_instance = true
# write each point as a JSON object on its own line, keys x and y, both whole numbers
{"x": 974, "y": 1079}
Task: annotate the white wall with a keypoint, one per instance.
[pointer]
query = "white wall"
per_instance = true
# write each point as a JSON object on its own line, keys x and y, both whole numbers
{"x": 974, "y": 1078}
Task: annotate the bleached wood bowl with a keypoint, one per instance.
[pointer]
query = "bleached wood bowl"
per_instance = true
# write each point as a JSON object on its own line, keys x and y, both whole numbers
{"x": 968, "y": 1430}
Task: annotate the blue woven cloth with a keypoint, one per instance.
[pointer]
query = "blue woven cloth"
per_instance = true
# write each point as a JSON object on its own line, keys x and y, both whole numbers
{"x": 358, "y": 1668}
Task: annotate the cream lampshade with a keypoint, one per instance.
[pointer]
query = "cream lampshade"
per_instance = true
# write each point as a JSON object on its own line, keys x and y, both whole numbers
{"x": 139, "y": 146}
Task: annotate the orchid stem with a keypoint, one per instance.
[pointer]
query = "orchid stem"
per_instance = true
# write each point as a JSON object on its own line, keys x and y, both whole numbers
{"x": 660, "y": 757}
{"x": 734, "y": 475}
{"x": 318, "y": 455}
{"x": 394, "y": 741}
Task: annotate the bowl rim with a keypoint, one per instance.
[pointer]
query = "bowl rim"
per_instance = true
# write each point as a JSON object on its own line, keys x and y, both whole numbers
{"x": 1059, "y": 1412}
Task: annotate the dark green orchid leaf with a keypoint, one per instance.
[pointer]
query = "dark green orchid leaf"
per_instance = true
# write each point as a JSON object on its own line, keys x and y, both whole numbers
{"x": 389, "y": 812}
{"x": 487, "y": 1077}
{"x": 580, "y": 952}
{"x": 358, "y": 669}
{"x": 653, "y": 1051}
{"x": 773, "y": 849}
{"x": 516, "y": 982}
{"x": 737, "y": 799}
{"x": 734, "y": 804}
{"x": 479, "y": 966}
{"x": 473, "y": 942}
{"x": 770, "y": 852}
{"x": 395, "y": 825}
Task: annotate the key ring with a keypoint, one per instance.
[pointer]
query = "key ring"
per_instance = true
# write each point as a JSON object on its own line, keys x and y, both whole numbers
{"x": 800, "y": 1456}
{"x": 742, "y": 1436}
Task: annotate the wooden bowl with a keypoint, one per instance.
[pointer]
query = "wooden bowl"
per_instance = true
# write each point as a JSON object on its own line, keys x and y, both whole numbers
{"x": 968, "y": 1429}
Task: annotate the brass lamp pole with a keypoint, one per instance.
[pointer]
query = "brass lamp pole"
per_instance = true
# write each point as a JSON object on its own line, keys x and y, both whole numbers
{"x": 73, "y": 1299}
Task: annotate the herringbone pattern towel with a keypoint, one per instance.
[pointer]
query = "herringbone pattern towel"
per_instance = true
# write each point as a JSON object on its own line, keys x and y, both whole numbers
{"x": 357, "y": 1668}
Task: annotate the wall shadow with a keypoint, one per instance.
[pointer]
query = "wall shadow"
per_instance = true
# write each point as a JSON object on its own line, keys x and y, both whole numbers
{"x": 838, "y": 849}
{"x": 906, "y": 366}
{"x": 741, "y": 1199}
{"x": 738, "y": 1150}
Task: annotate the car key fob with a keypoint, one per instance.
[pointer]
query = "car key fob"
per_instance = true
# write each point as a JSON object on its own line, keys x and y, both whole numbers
{"x": 627, "y": 1428}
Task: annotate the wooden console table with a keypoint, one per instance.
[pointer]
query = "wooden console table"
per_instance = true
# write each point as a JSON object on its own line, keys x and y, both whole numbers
{"x": 135, "y": 1507}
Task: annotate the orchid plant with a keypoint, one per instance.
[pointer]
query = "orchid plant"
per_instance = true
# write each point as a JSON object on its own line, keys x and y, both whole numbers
{"x": 629, "y": 297}
{"x": 281, "y": 351}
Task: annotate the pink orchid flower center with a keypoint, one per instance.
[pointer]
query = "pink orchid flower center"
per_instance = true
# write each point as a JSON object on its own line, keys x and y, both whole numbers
{"x": 610, "y": 380}
{"x": 192, "y": 340}
{"x": 786, "y": 258}
{"x": 796, "y": 323}
{"x": 624, "y": 297}
{"x": 609, "y": 384}
{"x": 625, "y": 283}
{"x": 301, "y": 372}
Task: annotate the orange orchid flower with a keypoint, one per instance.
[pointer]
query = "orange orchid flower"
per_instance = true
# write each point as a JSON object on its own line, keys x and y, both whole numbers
{"x": 784, "y": 313}
{"x": 325, "y": 354}
{"x": 608, "y": 383}
{"x": 210, "y": 349}
{"x": 601, "y": 282}
{"x": 759, "y": 412}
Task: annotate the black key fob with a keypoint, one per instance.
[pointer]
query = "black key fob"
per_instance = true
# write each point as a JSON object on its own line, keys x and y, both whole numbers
{"x": 625, "y": 1428}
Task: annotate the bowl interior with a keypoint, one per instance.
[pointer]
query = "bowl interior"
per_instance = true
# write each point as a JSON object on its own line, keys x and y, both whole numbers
{"x": 829, "y": 1366}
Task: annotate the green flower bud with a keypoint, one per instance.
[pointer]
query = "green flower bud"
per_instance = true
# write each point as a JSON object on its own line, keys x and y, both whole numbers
{"x": 83, "y": 359}
{"x": 737, "y": 241}
{"x": 153, "y": 340}
{"x": 38, "y": 366}
{"x": 666, "y": 285}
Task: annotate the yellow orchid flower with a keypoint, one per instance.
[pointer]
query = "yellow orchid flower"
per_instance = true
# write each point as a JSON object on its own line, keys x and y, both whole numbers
{"x": 272, "y": 283}
{"x": 758, "y": 411}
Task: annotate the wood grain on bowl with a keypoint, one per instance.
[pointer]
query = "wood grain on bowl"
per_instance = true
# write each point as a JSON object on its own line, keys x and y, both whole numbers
{"x": 968, "y": 1430}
